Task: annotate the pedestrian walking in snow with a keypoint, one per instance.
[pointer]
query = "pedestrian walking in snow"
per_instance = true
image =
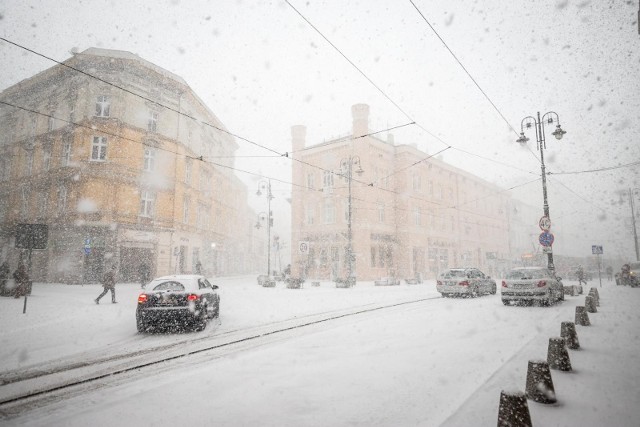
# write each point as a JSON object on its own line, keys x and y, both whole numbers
{"x": 22, "y": 280}
{"x": 609, "y": 272}
{"x": 109, "y": 284}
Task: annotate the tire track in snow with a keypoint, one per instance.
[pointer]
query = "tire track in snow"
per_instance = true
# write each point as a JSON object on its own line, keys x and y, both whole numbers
{"x": 19, "y": 395}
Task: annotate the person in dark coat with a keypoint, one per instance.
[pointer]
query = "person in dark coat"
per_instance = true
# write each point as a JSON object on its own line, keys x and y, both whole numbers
{"x": 22, "y": 280}
{"x": 109, "y": 284}
{"x": 4, "y": 276}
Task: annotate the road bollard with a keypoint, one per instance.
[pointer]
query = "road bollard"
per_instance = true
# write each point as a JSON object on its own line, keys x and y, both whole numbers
{"x": 590, "y": 304}
{"x": 568, "y": 332}
{"x": 539, "y": 383}
{"x": 514, "y": 410}
{"x": 557, "y": 354}
{"x": 582, "y": 318}
{"x": 594, "y": 292}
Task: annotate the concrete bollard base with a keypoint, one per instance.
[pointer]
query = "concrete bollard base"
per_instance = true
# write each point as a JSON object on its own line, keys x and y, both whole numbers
{"x": 568, "y": 332}
{"x": 539, "y": 386}
{"x": 582, "y": 318}
{"x": 514, "y": 410}
{"x": 557, "y": 354}
{"x": 590, "y": 304}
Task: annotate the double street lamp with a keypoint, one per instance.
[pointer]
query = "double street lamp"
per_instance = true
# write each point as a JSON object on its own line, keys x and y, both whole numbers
{"x": 265, "y": 187}
{"x": 347, "y": 166}
{"x": 538, "y": 123}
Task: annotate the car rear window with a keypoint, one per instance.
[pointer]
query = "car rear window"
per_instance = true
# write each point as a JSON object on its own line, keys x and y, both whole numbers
{"x": 169, "y": 286}
{"x": 527, "y": 274}
{"x": 454, "y": 273}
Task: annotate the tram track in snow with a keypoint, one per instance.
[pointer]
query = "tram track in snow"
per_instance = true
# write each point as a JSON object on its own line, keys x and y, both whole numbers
{"x": 19, "y": 392}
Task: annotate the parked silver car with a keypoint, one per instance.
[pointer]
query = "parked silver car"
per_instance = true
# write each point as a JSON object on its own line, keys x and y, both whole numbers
{"x": 529, "y": 284}
{"x": 465, "y": 281}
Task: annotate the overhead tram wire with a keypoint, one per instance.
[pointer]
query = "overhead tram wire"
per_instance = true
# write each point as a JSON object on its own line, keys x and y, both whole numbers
{"x": 286, "y": 154}
{"x": 463, "y": 67}
{"x": 387, "y": 96}
{"x": 192, "y": 157}
{"x": 141, "y": 96}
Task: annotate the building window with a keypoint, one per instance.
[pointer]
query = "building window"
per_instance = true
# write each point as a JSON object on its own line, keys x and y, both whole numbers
{"x": 186, "y": 201}
{"x": 417, "y": 214}
{"x": 147, "y": 201}
{"x": 5, "y": 169}
{"x": 102, "y": 106}
{"x": 66, "y": 154}
{"x": 152, "y": 125}
{"x": 46, "y": 159}
{"x": 29, "y": 168}
{"x": 149, "y": 159}
{"x": 327, "y": 179}
{"x": 52, "y": 122}
{"x": 24, "y": 205}
{"x": 329, "y": 212}
{"x": 43, "y": 204}
{"x": 62, "y": 199}
{"x": 380, "y": 212}
{"x": 309, "y": 214}
{"x": 99, "y": 148}
{"x": 188, "y": 165}
{"x": 417, "y": 182}
{"x": 310, "y": 181}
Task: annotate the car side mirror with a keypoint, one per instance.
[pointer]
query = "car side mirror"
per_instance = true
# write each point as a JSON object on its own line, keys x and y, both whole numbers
{"x": 214, "y": 287}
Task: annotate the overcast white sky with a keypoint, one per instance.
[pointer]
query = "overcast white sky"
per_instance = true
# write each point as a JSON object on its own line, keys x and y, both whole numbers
{"x": 262, "y": 68}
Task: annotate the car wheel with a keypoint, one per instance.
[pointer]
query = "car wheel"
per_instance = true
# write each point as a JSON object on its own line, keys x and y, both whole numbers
{"x": 201, "y": 321}
{"x": 216, "y": 312}
{"x": 474, "y": 292}
{"x": 506, "y": 302}
{"x": 494, "y": 290}
{"x": 141, "y": 325}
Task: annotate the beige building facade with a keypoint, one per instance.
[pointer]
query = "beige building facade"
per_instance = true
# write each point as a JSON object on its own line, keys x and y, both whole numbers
{"x": 114, "y": 154}
{"x": 412, "y": 215}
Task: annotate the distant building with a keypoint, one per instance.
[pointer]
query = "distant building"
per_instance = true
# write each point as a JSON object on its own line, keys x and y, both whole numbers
{"x": 118, "y": 178}
{"x": 411, "y": 214}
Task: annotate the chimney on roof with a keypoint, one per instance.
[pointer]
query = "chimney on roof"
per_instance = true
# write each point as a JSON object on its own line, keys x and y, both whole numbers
{"x": 298, "y": 136}
{"x": 360, "y": 114}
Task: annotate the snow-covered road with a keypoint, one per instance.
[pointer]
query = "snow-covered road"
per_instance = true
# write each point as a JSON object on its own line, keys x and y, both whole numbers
{"x": 435, "y": 362}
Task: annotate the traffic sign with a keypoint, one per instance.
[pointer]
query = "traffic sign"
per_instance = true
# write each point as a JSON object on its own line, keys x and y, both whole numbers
{"x": 545, "y": 223}
{"x": 546, "y": 238}
{"x": 596, "y": 250}
{"x": 303, "y": 247}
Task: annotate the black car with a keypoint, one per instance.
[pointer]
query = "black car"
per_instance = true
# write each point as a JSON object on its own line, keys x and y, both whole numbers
{"x": 177, "y": 301}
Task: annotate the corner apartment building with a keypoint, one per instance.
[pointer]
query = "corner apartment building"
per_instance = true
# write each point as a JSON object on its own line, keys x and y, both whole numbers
{"x": 411, "y": 214}
{"x": 114, "y": 154}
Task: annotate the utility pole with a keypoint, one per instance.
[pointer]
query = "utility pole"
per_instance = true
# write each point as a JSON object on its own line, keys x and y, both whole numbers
{"x": 633, "y": 224}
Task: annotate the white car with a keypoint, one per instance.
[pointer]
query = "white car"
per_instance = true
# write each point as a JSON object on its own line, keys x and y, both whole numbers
{"x": 529, "y": 284}
{"x": 465, "y": 282}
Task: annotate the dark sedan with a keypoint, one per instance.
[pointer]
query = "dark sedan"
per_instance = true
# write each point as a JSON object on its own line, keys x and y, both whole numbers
{"x": 177, "y": 301}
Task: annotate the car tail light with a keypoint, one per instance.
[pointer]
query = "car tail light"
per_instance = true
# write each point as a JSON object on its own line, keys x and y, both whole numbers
{"x": 504, "y": 284}
{"x": 142, "y": 298}
{"x": 192, "y": 297}
{"x": 464, "y": 283}
{"x": 542, "y": 283}
{"x": 439, "y": 283}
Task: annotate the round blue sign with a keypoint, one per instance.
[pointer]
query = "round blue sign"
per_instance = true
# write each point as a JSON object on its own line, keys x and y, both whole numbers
{"x": 546, "y": 238}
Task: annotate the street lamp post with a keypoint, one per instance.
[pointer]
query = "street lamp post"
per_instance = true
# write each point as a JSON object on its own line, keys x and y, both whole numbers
{"x": 346, "y": 169}
{"x": 528, "y": 122}
{"x": 265, "y": 186}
